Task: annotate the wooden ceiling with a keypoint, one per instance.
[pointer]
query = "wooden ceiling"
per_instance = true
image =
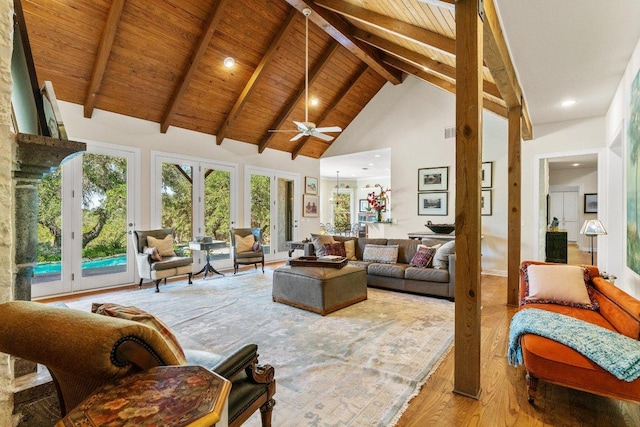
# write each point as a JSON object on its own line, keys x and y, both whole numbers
{"x": 162, "y": 60}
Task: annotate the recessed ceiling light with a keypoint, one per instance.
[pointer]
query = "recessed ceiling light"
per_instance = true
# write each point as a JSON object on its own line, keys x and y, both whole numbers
{"x": 576, "y": 164}
{"x": 229, "y": 62}
{"x": 370, "y": 164}
{"x": 568, "y": 102}
{"x": 377, "y": 155}
{"x": 314, "y": 101}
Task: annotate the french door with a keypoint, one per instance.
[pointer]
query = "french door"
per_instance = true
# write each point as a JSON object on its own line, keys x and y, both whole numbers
{"x": 270, "y": 205}
{"x": 195, "y": 198}
{"x": 86, "y": 212}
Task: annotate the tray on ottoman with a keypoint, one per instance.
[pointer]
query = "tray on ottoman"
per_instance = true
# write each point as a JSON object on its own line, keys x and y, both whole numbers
{"x": 314, "y": 261}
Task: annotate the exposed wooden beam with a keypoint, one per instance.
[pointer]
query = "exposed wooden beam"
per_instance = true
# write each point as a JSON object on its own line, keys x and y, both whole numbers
{"x": 257, "y": 73}
{"x": 514, "y": 208}
{"x": 391, "y": 25}
{"x": 418, "y": 59}
{"x": 198, "y": 52}
{"x": 340, "y": 31}
{"x": 444, "y": 84}
{"x": 497, "y": 58}
{"x": 102, "y": 56}
{"x": 336, "y": 101}
{"x": 289, "y": 107}
{"x": 468, "y": 188}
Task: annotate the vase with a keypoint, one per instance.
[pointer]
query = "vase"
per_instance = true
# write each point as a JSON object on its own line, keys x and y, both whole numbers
{"x": 379, "y": 216}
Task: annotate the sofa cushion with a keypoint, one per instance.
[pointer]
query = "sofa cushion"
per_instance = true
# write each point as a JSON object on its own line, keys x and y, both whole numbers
{"x": 362, "y": 243}
{"x": 387, "y": 270}
{"x": 558, "y": 284}
{"x": 387, "y": 254}
{"x": 441, "y": 258}
{"x": 350, "y": 249}
{"x": 164, "y": 246}
{"x": 406, "y": 249}
{"x": 359, "y": 263}
{"x": 335, "y": 248}
{"x": 319, "y": 240}
{"x": 171, "y": 262}
{"x": 423, "y": 257}
{"x": 427, "y": 274}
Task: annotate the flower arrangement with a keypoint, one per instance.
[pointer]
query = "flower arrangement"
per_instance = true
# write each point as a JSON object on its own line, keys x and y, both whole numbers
{"x": 378, "y": 202}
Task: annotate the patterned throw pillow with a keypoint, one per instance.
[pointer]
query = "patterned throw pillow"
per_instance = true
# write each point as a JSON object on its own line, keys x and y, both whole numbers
{"x": 244, "y": 244}
{"x": 153, "y": 251}
{"x": 384, "y": 254}
{"x": 335, "y": 248}
{"x": 423, "y": 257}
{"x": 164, "y": 246}
{"x": 558, "y": 284}
{"x": 138, "y": 315}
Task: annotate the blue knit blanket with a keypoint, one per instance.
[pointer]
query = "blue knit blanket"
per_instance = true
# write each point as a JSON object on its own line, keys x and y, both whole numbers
{"x": 612, "y": 351}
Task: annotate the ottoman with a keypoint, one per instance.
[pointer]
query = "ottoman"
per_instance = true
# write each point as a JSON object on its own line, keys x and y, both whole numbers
{"x": 319, "y": 289}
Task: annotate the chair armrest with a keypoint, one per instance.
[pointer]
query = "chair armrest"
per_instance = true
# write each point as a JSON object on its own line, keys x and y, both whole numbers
{"x": 144, "y": 265}
{"x": 238, "y": 361}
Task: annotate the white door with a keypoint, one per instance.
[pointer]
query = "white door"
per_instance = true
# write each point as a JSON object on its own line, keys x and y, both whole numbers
{"x": 564, "y": 206}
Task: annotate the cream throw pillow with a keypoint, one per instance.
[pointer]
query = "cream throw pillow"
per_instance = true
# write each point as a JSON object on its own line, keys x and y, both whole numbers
{"x": 563, "y": 283}
{"x": 164, "y": 246}
{"x": 244, "y": 244}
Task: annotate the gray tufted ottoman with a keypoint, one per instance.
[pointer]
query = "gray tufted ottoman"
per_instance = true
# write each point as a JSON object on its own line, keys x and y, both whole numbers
{"x": 319, "y": 289}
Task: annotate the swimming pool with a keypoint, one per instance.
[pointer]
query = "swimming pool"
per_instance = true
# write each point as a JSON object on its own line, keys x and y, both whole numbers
{"x": 55, "y": 267}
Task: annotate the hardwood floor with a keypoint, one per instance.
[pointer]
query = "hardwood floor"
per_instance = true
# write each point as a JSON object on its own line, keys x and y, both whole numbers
{"x": 503, "y": 399}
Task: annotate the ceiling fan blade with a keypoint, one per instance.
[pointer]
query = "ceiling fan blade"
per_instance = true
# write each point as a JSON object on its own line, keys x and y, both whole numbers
{"x": 297, "y": 137}
{"x": 322, "y": 136}
{"x": 284, "y": 130}
{"x": 303, "y": 126}
{"x": 330, "y": 129}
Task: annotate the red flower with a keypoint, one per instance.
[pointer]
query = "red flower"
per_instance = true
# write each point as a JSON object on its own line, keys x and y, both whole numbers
{"x": 378, "y": 202}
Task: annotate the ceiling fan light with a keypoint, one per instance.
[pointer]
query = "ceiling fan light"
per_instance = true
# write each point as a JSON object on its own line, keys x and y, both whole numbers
{"x": 314, "y": 101}
{"x": 229, "y": 62}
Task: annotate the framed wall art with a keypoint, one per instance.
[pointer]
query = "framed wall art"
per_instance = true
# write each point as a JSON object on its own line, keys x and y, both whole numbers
{"x": 433, "y": 179}
{"x": 487, "y": 174}
{"x": 433, "y": 203}
{"x": 310, "y": 206}
{"x": 310, "y": 185}
{"x": 591, "y": 203}
{"x": 364, "y": 205}
{"x": 486, "y": 202}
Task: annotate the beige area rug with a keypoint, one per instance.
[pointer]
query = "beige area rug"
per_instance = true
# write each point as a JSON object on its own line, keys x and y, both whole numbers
{"x": 358, "y": 366}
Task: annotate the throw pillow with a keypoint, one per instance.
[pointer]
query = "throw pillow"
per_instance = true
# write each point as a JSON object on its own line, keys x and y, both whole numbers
{"x": 153, "y": 251}
{"x": 423, "y": 257}
{"x": 384, "y": 254}
{"x": 319, "y": 241}
{"x": 558, "y": 284}
{"x": 244, "y": 244}
{"x": 335, "y": 248}
{"x": 138, "y": 315}
{"x": 256, "y": 247}
{"x": 164, "y": 246}
{"x": 441, "y": 258}
{"x": 350, "y": 249}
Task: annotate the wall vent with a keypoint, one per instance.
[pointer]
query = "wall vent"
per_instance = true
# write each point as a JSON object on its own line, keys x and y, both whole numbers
{"x": 450, "y": 132}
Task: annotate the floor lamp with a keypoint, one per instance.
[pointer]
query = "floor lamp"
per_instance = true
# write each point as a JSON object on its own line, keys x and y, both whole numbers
{"x": 591, "y": 228}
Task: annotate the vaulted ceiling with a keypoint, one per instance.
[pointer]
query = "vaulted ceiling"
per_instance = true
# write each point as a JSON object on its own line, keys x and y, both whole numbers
{"x": 162, "y": 60}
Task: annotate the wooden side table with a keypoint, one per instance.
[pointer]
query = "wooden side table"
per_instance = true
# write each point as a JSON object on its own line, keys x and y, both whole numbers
{"x": 208, "y": 247}
{"x": 162, "y": 396}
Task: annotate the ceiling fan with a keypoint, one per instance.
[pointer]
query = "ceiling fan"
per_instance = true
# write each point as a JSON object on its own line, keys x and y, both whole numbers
{"x": 308, "y": 128}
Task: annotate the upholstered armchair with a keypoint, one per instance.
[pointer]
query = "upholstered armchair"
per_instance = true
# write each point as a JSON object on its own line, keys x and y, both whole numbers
{"x": 156, "y": 258}
{"x": 84, "y": 351}
{"x": 246, "y": 247}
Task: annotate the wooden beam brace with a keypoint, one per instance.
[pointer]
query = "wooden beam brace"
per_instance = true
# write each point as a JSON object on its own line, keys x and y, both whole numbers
{"x": 340, "y": 31}
{"x": 102, "y": 56}
{"x": 337, "y": 100}
{"x": 391, "y": 25}
{"x": 419, "y": 59}
{"x": 428, "y": 77}
{"x": 194, "y": 61}
{"x": 289, "y": 107}
{"x": 497, "y": 58}
{"x": 514, "y": 215}
{"x": 257, "y": 73}
{"x": 468, "y": 188}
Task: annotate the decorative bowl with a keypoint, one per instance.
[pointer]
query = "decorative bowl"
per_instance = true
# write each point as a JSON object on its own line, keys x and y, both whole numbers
{"x": 440, "y": 228}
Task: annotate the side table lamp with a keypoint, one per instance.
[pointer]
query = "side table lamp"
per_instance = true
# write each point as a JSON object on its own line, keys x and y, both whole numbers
{"x": 591, "y": 228}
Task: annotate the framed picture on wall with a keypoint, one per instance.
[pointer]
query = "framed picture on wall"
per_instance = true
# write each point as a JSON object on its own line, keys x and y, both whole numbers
{"x": 363, "y": 205}
{"x": 591, "y": 203}
{"x": 486, "y": 202}
{"x": 487, "y": 174}
{"x": 310, "y": 206}
{"x": 433, "y": 179}
{"x": 433, "y": 203}
{"x": 310, "y": 185}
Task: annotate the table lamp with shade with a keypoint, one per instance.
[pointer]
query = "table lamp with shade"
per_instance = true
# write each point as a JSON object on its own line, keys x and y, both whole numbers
{"x": 591, "y": 228}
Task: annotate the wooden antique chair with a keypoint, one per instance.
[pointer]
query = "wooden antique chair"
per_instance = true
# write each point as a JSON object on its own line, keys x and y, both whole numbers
{"x": 245, "y": 249}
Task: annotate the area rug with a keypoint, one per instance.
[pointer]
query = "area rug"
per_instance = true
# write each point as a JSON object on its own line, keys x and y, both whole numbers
{"x": 358, "y": 366}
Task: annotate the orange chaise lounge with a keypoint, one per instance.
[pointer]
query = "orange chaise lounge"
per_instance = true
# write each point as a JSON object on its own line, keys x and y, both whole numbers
{"x": 551, "y": 361}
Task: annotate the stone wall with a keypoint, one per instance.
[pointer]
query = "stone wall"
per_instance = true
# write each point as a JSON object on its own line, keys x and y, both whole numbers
{"x": 7, "y": 150}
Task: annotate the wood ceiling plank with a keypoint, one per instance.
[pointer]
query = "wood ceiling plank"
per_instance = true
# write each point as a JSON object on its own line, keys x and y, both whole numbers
{"x": 194, "y": 62}
{"x": 102, "y": 56}
{"x": 342, "y": 95}
{"x": 286, "y": 111}
{"x": 399, "y": 28}
{"x": 340, "y": 31}
{"x": 251, "y": 84}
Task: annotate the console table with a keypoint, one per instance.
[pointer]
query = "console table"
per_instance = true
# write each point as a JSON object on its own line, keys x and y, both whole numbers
{"x": 164, "y": 395}
{"x": 208, "y": 247}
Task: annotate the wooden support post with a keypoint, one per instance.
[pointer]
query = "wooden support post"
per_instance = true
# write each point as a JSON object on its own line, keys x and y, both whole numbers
{"x": 515, "y": 211}
{"x": 469, "y": 36}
